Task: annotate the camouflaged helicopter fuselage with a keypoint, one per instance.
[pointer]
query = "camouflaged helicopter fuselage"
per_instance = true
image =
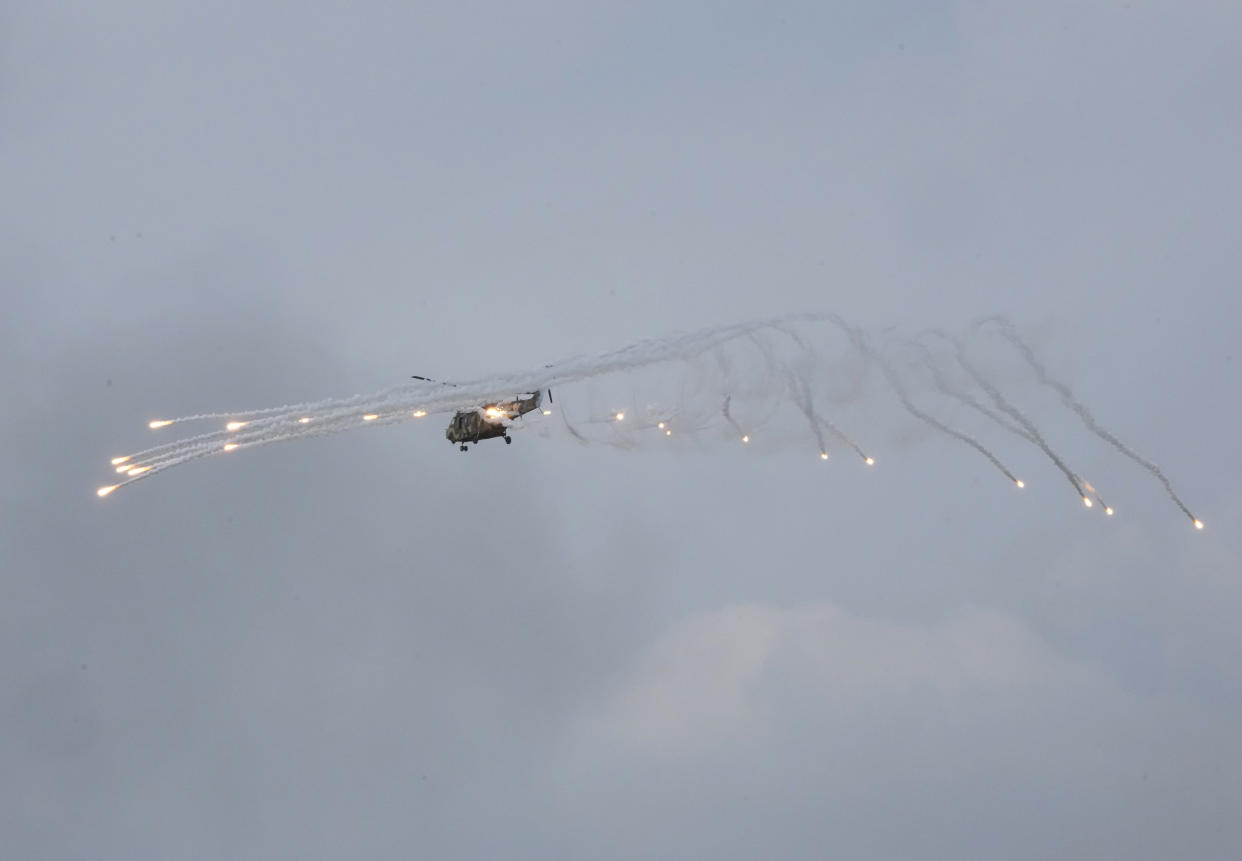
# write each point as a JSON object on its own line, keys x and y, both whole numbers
{"x": 475, "y": 425}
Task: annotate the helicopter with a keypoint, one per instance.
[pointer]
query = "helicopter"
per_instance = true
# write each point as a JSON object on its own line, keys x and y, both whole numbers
{"x": 489, "y": 420}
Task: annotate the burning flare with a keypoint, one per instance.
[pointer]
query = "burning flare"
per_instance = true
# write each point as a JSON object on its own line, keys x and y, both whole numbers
{"x": 752, "y": 371}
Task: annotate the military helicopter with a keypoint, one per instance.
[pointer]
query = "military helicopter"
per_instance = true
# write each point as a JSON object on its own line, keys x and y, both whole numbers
{"x": 490, "y": 420}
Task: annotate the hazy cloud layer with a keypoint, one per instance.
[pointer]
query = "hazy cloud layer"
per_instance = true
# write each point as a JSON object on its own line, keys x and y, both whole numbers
{"x": 371, "y": 645}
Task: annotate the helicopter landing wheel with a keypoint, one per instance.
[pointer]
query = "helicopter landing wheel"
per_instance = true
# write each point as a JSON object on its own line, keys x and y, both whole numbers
{"x": 508, "y": 440}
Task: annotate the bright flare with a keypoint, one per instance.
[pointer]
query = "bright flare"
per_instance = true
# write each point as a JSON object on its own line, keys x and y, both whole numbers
{"x": 304, "y": 420}
{"x": 159, "y": 423}
{"x": 823, "y": 455}
{"x": 230, "y": 446}
{"x": 232, "y": 426}
{"x": 870, "y": 461}
{"x": 1108, "y": 511}
{"x": 745, "y": 439}
{"x": 104, "y": 491}
{"x": 418, "y": 414}
{"x": 1086, "y": 500}
{"x": 125, "y": 467}
{"x": 493, "y": 413}
{"x": 620, "y": 417}
{"x": 117, "y": 460}
{"x": 138, "y": 470}
{"x": 547, "y": 412}
{"x": 1198, "y": 524}
{"x": 1021, "y": 484}
{"x": 668, "y": 433}
{"x": 370, "y": 417}
{"x": 660, "y": 425}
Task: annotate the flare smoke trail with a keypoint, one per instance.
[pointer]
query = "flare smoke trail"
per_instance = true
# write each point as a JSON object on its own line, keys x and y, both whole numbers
{"x": 945, "y": 387}
{"x": 318, "y": 418}
{"x": 1010, "y": 333}
{"x": 760, "y": 368}
{"x": 894, "y": 381}
{"x": 802, "y": 397}
{"x": 732, "y": 422}
{"x": 1009, "y": 409}
{"x": 573, "y": 431}
{"x": 863, "y": 345}
{"x": 802, "y": 391}
{"x": 847, "y": 439}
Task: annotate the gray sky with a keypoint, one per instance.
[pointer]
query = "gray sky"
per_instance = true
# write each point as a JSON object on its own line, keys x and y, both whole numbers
{"x": 371, "y": 646}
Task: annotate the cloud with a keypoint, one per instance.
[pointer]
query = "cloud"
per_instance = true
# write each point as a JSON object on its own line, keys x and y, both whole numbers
{"x": 870, "y": 736}
{"x": 375, "y": 647}
{"x": 709, "y": 678}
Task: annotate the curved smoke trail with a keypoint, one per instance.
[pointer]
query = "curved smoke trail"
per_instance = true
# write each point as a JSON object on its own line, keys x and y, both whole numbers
{"x": 778, "y": 363}
{"x": 1009, "y": 409}
{"x": 1010, "y": 333}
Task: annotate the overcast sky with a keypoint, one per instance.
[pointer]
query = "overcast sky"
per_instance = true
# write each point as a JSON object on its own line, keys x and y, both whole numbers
{"x": 372, "y": 646}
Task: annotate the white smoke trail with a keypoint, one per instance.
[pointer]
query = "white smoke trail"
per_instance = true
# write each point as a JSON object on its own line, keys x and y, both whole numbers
{"x": 801, "y": 394}
{"x": 728, "y": 417}
{"x": 845, "y": 438}
{"x": 1009, "y": 409}
{"x": 396, "y": 404}
{"x": 946, "y": 387}
{"x": 903, "y": 395}
{"x": 759, "y": 367}
{"x": 1010, "y": 333}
